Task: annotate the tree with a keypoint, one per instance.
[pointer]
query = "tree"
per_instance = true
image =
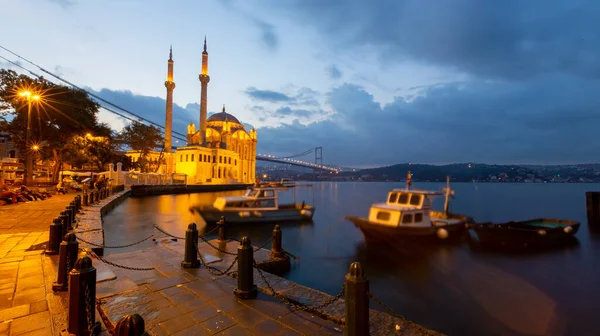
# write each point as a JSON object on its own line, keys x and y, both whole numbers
{"x": 145, "y": 139}
{"x": 60, "y": 114}
{"x": 94, "y": 149}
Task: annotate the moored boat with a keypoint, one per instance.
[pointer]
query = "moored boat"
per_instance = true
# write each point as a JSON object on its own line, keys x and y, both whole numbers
{"x": 407, "y": 213}
{"x": 535, "y": 233}
{"x": 260, "y": 204}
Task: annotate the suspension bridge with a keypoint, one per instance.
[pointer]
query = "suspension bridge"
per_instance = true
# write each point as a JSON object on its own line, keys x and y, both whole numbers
{"x": 293, "y": 160}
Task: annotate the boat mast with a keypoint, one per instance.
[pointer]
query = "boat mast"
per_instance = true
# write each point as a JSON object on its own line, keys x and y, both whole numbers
{"x": 449, "y": 192}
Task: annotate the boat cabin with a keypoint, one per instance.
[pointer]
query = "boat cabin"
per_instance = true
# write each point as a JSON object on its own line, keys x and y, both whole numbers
{"x": 404, "y": 208}
{"x": 258, "y": 198}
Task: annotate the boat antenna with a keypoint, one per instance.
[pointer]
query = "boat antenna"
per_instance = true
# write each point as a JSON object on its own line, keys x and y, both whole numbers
{"x": 408, "y": 180}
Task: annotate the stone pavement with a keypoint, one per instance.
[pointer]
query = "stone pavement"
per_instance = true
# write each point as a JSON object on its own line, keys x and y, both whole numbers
{"x": 34, "y": 216}
{"x": 24, "y": 272}
{"x": 177, "y": 301}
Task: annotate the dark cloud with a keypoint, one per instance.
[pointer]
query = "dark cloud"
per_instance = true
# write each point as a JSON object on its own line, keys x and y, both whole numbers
{"x": 267, "y": 95}
{"x": 151, "y": 108}
{"x": 510, "y": 39}
{"x": 546, "y": 120}
{"x": 334, "y": 72}
{"x": 268, "y": 36}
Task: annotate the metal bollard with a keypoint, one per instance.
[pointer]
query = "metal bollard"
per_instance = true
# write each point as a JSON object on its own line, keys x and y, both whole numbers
{"x": 276, "y": 249}
{"x": 78, "y": 202}
{"x": 222, "y": 229}
{"x": 190, "y": 259}
{"x": 92, "y": 197}
{"x": 71, "y": 213}
{"x": 356, "y": 307}
{"x": 130, "y": 325}
{"x": 66, "y": 221}
{"x": 85, "y": 198}
{"x": 55, "y": 237}
{"x": 96, "y": 195}
{"x": 246, "y": 289}
{"x": 82, "y": 299}
{"x": 68, "y": 255}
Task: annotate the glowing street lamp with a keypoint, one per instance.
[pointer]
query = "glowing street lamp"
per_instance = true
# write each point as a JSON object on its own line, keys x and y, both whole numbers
{"x": 28, "y": 161}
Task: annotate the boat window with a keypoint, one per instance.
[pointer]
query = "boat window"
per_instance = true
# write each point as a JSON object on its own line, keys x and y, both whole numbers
{"x": 407, "y": 219}
{"x": 263, "y": 203}
{"x": 261, "y": 194}
{"x": 383, "y": 215}
{"x": 415, "y": 199}
{"x": 269, "y": 193}
{"x": 403, "y": 199}
{"x": 252, "y": 193}
{"x": 393, "y": 197}
{"x": 418, "y": 217}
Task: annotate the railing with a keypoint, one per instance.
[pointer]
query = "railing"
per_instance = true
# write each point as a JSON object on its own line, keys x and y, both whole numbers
{"x": 119, "y": 177}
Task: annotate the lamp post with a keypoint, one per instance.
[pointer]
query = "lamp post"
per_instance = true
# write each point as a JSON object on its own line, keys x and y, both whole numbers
{"x": 28, "y": 178}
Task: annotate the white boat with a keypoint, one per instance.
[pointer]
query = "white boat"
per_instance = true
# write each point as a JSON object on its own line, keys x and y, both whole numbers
{"x": 407, "y": 213}
{"x": 260, "y": 204}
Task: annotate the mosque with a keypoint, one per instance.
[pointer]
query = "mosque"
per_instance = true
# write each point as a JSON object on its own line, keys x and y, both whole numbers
{"x": 220, "y": 151}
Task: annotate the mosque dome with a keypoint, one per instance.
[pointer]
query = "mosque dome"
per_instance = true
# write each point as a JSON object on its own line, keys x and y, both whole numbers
{"x": 223, "y": 116}
{"x": 217, "y": 121}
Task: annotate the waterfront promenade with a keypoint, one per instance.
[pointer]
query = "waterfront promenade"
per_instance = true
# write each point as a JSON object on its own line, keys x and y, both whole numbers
{"x": 27, "y": 304}
{"x": 172, "y": 300}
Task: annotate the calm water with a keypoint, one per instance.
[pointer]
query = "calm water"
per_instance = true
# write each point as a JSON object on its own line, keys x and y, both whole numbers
{"x": 448, "y": 288}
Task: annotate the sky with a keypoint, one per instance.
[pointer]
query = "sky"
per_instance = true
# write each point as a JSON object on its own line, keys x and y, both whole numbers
{"x": 373, "y": 82}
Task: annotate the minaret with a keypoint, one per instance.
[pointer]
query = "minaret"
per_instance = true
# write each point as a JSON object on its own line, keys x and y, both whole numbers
{"x": 170, "y": 85}
{"x": 204, "y": 79}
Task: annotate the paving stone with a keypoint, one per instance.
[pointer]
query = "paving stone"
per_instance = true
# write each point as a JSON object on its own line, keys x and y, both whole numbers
{"x": 40, "y": 332}
{"x": 194, "y": 331}
{"x": 166, "y": 283}
{"x": 29, "y": 295}
{"x": 227, "y": 303}
{"x": 235, "y": 331}
{"x": 14, "y": 312}
{"x": 267, "y": 327}
{"x": 39, "y": 306}
{"x": 247, "y": 317}
{"x": 218, "y": 323}
{"x": 191, "y": 306}
{"x": 30, "y": 323}
{"x": 288, "y": 332}
{"x": 176, "y": 324}
{"x": 204, "y": 313}
{"x": 4, "y": 327}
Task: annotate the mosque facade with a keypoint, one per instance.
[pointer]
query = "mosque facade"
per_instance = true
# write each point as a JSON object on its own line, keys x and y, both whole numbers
{"x": 221, "y": 151}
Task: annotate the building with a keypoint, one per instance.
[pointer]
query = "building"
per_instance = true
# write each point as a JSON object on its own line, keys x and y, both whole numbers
{"x": 220, "y": 151}
{"x": 9, "y": 163}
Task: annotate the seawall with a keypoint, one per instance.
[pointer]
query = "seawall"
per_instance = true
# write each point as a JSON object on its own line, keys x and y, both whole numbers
{"x": 173, "y": 189}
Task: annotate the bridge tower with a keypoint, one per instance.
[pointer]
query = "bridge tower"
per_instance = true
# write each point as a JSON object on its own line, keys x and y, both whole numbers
{"x": 170, "y": 85}
{"x": 204, "y": 79}
{"x": 318, "y": 160}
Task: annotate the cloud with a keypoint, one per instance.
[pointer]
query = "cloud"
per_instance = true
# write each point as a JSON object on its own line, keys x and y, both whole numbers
{"x": 151, "y": 108}
{"x": 546, "y": 120}
{"x": 334, "y": 72}
{"x": 64, "y": 3}
{"x": 510, "y": 39}
{"x": 268, "y": 36}
{"x": 550, "y": 119}
{"x": 267, "y": 95}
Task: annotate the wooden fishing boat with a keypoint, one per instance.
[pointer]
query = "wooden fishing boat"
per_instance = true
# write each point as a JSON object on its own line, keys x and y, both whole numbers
{"x": 535, "y": 233}
{"x": 260, "y": 204}
{"x": 407, "y": 213}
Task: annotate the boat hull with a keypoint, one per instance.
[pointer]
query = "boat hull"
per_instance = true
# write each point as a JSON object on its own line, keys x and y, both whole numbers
{"x": 375, "y": 233}
{"x": 536, "y": 233}
{"x": 212, "y": 215}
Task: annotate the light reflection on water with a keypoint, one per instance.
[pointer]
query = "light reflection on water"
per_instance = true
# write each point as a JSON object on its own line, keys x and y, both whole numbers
{"x": 449, "y": 288}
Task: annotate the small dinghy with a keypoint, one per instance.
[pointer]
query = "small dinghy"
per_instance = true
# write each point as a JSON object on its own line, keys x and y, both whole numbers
{"x": 535, "y": 233}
